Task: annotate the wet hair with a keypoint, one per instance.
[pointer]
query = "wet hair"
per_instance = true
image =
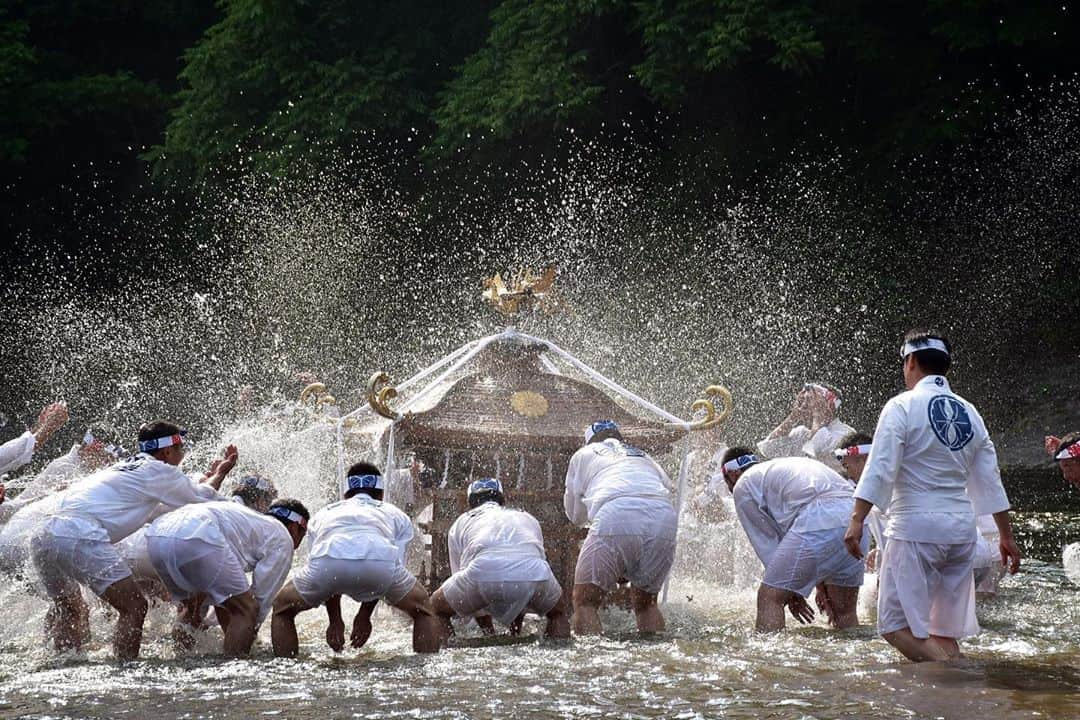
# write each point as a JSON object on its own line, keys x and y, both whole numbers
{"x": 606, "y": 435}
{"x": 930, "y": 361}
{"x": 157, "y": 429}
{"x": 1067, "y": 440}
{"x": 252, "y": 495}
{"x": 478, "y": 499}
{"x": 733, "y": 452}
{"x": 364, "y": 468}
{"x": 289, "y": 504}
{"x": 855, "y": 438}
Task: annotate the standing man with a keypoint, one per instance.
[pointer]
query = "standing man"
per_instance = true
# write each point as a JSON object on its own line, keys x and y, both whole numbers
{"x": 625, "y": 499}
{"x": 932, "y": 468}
{"x": 74, "y": 544}
{"x": 209, "y": 548}
{"x": 794, "y": 511}
{"x": 499, "y": 567}
{"x": 357, "y": 549}
{"x": 811, "y": 427}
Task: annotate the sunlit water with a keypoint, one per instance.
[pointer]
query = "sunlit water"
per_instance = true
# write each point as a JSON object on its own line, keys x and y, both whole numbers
{"x": 708, "y": 663}
{"x": 761, "y": 292}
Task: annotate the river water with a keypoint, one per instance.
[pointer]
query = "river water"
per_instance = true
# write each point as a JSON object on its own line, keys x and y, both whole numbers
{"x": 1026, "y": 662}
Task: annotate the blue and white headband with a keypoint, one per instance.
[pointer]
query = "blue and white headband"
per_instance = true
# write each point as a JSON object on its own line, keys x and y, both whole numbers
{"x": 740, "y": 463}
{"x": 364, "y": 482}
{"x": 148, "y": 446}
{"x": 290, "y": 515}
{"x": 255, "y": 482}
{"x": 924, "y": 344}
{"x": 485, "y": 485}
{"x": 599, "y": 426}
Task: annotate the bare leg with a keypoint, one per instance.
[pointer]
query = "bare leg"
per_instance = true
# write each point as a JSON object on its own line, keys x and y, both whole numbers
{"x": 646, "y": 611}
{"x": 68, "y": 621}
{"x": 948, "y": 644}
{"x": 426, "y": 625}
{"x": 845, "y": 605}
{"x": 125, "y": 596}
{"x": 770, "y": 608}
{"x": 587, "y": 601}
{"x": 444, "y": 612}
{"x": 916, "y": 649}
{"x": 558, "y": 624}
{"x": 287, "y": 605}
{"x": 243, "y": 615}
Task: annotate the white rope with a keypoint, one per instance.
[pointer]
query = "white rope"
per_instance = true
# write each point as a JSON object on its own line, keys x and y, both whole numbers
{"x": 610, "y": 384}
{"x": 364, "y": 407}
{"x": 431, "y": 386}
{"x": 680, "y": 486}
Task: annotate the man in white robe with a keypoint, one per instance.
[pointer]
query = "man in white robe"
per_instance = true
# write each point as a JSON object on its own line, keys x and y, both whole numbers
{"x": 499, "y": 566}
{"x": 932, "y": 469}
{"x": 625, "y": 499}
{"x": 358, "y": 548}
{"x": 811, "y": 428}
{"x": 73, "y": 545}
{"x": 82, "y": 459}
{"x": 209, "y": 548}
{"x": 853, "y": 453}
{"x": 794, "y": 511}
{"x": 18, "y": 452}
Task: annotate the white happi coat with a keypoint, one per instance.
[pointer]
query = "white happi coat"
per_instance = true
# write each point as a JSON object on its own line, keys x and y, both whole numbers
{"x": 260, "y": 542}
{"x": 802, "y": 442}
{"x": 360, "y": 528}
{"x": 125, "y": 496}
{"x": 16, "y": 453}
{"x": 796, "y": 494}
{"x": 932, "y": 467}
{"x": 56, "y": 476}
{"x": 493, "y": 543}
{"x": 610, "y": 470}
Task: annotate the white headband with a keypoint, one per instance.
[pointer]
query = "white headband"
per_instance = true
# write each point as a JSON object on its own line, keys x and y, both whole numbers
{"x": 853, "y": 451}
{"x": 1069, "y": 452}
{"x": 925, "y": 344}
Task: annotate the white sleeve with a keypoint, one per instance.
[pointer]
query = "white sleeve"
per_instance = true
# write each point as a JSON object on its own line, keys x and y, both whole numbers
{"x": 786, "y": 445}
{"x": 174, "y": 489}
{"x": 56, "y": 476}
{"x": 403, "y": 534}
{"x": 883, "y": 465}
{"x": 984, "y": 486}
{"x": 270, "y": 572}
{"x": 760, "y": 528}
{"x": 453, "y": 545}
{"x": 822, "y": 443}
{"x": 16, "y": 453}
{"x": 875, "y": 522}
{"x": 575, "y": 509}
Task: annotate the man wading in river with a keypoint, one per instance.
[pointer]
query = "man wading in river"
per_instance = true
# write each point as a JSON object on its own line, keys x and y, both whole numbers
{"x": 794, "y": 511}
{"x": 625, "y": 498}
{"x": 932, "y": 469}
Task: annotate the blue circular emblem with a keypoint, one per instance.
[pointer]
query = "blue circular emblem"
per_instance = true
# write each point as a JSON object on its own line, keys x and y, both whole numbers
{"x": 951, "y": 422}
{"x": 939, "y": 382}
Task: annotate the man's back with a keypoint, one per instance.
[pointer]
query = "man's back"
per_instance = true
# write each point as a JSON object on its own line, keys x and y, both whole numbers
{"x": 603, "y": 471}
{"x": 360, "y": 528}
{"x": 500, "y": 539}
{"x": 250, "y": 534}
{"x": 124, "y": 496}
{"x": 784, "y": 489}
{"x": 932, "y": 456}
